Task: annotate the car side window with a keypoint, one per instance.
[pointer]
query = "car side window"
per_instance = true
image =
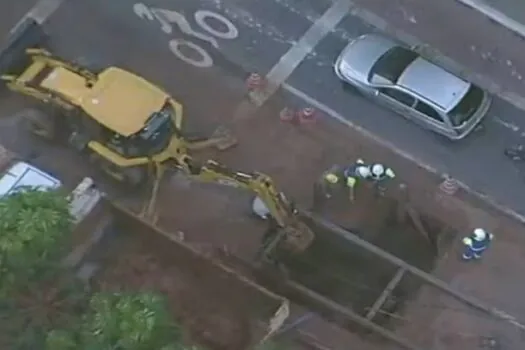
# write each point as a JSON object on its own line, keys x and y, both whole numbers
{"x": 428, "y": 111}
{"x": 399, "y": 96}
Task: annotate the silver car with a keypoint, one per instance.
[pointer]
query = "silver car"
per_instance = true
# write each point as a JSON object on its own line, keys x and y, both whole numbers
{"x": 412, "y": 86}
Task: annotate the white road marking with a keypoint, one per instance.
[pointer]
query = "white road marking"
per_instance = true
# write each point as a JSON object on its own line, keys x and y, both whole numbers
{"x": 42, "y": 10}
{"x": 200, "y": 58}
{"x": 231, "y": 30}
{"x": 204, "y": 60}
{"x": 506, "y": 124}
{"x": 338, "y": 117}
{"x": 291, "y": 59}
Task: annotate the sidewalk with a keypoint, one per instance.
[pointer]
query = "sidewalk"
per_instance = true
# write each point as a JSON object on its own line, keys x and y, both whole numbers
{"x": 487, "y": 53}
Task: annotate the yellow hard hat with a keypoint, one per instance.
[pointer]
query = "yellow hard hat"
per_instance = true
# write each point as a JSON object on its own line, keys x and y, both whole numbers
{"x": 467, "y": 241}
{"x": 332, "y": 178}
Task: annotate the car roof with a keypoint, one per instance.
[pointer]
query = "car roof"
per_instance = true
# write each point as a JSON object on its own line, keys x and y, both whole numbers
{"x": 22, "y": 174}
{"x": 433, "y": 83}
{"x": 362, "y": 53}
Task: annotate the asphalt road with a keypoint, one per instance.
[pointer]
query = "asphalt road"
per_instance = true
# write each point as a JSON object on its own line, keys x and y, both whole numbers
{"x": 11, "y": 12}
{"x": 267, "y": 29}
{"x": 511, "y": 8}
{"x": 120, "y": 33}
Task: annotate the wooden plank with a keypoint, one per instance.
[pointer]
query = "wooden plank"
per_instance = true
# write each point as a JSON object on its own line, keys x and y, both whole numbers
{"x": 386, "y": 293}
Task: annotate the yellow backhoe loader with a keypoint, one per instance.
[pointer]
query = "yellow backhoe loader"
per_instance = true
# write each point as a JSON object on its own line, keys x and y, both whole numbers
{"x": 131, "y": 128}
{"x": 120, "y": 119}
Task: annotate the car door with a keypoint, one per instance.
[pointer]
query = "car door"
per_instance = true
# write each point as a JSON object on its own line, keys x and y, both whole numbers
{"x": 396, "y": 100}
{"x": 430, "y": 118}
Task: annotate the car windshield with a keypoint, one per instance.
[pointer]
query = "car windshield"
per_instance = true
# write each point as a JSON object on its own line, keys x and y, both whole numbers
{"x": 393, "y": 63}
{"x": 468, "y": 105}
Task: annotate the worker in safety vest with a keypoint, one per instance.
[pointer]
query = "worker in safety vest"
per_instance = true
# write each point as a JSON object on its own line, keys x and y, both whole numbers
{"x": 476, "y": 244}
{"x": 379, "y": 176}
{"x": 353, "y": 174}
{"x": 378, "y": 173}
{"x": 330, "y": 182}
{"x": 334, "y": 181}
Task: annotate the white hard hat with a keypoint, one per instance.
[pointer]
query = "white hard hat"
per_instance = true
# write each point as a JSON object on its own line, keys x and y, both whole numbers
{"x": 363, "y": 171}
{"x": 378, "y": 169}
{"x": 479, "y": 234}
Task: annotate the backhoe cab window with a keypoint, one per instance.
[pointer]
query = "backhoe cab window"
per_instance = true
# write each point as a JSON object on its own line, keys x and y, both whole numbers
{"x": 152, "y": 139}
{"x": 157, "y": 133}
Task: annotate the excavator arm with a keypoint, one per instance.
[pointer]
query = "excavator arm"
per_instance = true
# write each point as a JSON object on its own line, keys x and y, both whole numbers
{"x": 291, "y": 232}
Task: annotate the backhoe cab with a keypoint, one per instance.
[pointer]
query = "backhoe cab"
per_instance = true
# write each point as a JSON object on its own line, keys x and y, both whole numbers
{"x": 124, "y": 122}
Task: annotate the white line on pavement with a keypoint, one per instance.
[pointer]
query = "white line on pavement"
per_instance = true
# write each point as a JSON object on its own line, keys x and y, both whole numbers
{"x": 507, "y": 124}
{"x": 291, "y": 59}
{"x": 42, "y": 10}
{"x": 338, "y": 117}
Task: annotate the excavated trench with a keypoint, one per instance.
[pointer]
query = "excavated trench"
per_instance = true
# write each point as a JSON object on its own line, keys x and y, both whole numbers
{"x": 355, "y": 278}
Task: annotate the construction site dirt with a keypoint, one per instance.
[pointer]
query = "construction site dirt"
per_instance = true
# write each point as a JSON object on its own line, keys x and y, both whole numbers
{"x": 217, "y": 308}
{"x": 214, "y": 218}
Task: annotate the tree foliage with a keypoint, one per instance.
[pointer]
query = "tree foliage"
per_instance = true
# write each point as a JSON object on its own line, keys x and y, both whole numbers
{"x": 121, "y": 321}
{"x": 33, "y": 227}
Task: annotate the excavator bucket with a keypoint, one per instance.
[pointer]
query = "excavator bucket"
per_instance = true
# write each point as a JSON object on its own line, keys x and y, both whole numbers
{"x": 27, "y": 34}
{"x": 222, "y": 139}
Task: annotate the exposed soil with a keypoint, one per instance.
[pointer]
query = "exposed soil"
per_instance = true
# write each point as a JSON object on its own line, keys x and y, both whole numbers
{"x": 216, "y": 308}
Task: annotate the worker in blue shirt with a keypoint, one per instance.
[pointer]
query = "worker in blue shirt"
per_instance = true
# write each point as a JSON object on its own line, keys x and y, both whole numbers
{"x": 476, "y": 244}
